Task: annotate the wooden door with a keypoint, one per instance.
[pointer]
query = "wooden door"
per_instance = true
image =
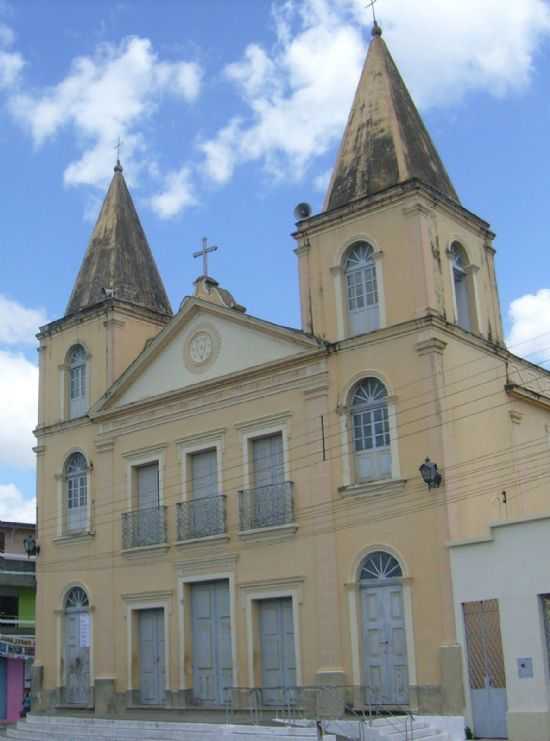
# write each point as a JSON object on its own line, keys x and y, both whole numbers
{"x": 206, "y": 515}
{"x": 486, "y": 668}
{"x": 211, "y": 641}
{"x": 76, "y": 657}
{"x": 278, "y": 655}
{"x": 148, "y": 486}
{"x": 267, "y": 457}
{"x": 385, "y": 665}
{"x": 151, "y": 656}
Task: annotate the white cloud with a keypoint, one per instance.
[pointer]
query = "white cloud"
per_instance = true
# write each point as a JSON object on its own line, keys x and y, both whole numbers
{"x": 489, "y": 49}
{"x": 298, "y": 95}
{"x": 13, "y": 505}
{"x": 18, "y": 405}
{"x": 530, "y": 326}
{"x": 18, "y": 325}
{"x": 177, "y": 194}
{"x": 109, "y": 95}
{"x": 7, "y": 36}
{"x": 11, "y": 62}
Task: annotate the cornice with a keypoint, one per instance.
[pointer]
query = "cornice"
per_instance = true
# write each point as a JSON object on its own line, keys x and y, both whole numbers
{"x": 388, "y": 197}
{"x": 201, "y": 388}
{"x": 109, "y": 306}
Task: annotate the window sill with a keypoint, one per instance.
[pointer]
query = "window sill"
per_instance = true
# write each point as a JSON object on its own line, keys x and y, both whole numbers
{"x": 77, "y": 537}
{"x": 268, "y": 533}
{"x": 222, "y": 538}
{"x": 373, "y": 488}
{"x": 143, "y": 550}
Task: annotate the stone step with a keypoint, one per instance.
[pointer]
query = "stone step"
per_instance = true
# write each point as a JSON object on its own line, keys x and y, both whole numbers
{"x": 92, "y": 729}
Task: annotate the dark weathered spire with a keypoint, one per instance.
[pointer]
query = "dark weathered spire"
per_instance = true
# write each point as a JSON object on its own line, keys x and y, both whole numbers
{"x": 118, "y": 262}
{"x": 385, "y": 141}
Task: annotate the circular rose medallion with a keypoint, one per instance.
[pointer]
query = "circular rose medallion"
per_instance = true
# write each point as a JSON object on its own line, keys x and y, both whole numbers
{"x": 200, "y": 348}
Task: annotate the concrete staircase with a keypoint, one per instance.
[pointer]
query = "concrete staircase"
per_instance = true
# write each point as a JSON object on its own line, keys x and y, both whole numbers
{"x": 59, "y": 728}
{"x": 397, "y": 728}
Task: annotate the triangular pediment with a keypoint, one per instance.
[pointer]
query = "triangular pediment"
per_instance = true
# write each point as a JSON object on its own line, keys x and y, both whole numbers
{"x": 203, "y": 342}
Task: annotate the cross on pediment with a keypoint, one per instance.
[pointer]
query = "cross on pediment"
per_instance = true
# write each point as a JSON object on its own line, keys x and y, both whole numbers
{"x": 204, "y": 254}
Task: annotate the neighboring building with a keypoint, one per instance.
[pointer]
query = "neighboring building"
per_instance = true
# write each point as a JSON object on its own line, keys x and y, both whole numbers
{"x": 17, "y": 598}
{"x": 227, "y": 502}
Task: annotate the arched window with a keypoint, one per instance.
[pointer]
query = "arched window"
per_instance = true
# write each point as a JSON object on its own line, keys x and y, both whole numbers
{"x": 76, "y": 493}
{"x": 462, "y": 284}
{"x": 77, "y": 381}
{"x": 379, "y": 565}
{"x": 371, "y": 430}
{"x": 362, "y": 289}
{"x": 76, "y": 599}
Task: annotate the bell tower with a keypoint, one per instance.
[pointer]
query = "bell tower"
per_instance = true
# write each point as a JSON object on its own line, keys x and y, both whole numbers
{"x": 117, "y": 303}
{"x": 393, "y": 242}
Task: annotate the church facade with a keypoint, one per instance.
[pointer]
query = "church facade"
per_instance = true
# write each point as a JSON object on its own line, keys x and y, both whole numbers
{"x": 228, "y": 503}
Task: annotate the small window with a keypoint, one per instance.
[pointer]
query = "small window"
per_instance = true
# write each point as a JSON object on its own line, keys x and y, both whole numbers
{"x": 371, "y": 430}
{"x": 2, "y": 542}
{"x": 462, "y": 285}
{"x": 77, "y": 382}
{"x": 267, "y": 461}
{"x": 76, "y": 493}
{"x": 362, "y": 289}
{"x": 204, "y": 474}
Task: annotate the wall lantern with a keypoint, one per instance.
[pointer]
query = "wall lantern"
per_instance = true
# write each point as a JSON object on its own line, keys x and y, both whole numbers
{"x": 430, "y": 474}
{"x": 31, "y": 546}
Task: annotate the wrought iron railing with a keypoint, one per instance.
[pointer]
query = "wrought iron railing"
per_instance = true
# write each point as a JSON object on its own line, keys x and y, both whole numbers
{"x": 350, "y": 711}
{"x": 266, "y": 506}
{"x": 201, "y": 518}
{"x": 144, "y": 527}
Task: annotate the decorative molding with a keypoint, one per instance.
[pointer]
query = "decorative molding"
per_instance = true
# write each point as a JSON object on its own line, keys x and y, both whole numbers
{"x": 431, "y": 345}
{"x": 251, "y": 424}
{"x": 515, "y": 416}
{"x": 68, "y": 539}
{"x": 285, "y": 581}
{"x": 145, "y": 551}
{"x": 269, "y": 533}
{"x": 104, "y": 446}
{"x": 201, "y": 347}
{"x": 149, "y": 451}
{"x": 141, "y": 596}
{"x": 317, "y": 392}
{"x": 39, "y": 449}
{"x": 373, "y": 488}
{"x": 200, "y": 437}
{"x": 207, "y": 540}
{"x": 417, "y": 208}
{"x": 222, "y": 563}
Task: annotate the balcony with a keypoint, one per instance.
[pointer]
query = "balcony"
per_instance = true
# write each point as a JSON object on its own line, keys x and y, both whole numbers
{"x": 144, "y": 528}
{"x": 201, "y": 518}
{"x": 13, "y": 626}
{"x": 266, "y": 506}
{"x": 17, "y": 572}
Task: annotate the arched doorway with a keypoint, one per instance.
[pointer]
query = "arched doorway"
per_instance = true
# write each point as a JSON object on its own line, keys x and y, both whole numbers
{"x": 385, "y": 665}
{"x": 76, "y": 647}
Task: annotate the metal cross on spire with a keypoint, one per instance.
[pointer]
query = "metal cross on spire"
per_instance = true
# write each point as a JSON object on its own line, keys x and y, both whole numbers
{"x": 370, "y": 4}
{"x": 204, "y": 254}
{"x": 118, "y": 166}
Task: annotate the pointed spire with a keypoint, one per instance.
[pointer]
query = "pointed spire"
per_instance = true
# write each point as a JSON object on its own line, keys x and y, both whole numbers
{"x": 118, "y": 262}
{"x": 385, "y": 141}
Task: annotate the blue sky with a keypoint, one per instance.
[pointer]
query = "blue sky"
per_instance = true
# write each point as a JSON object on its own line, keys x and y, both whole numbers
{"x": 230, "y": 113}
